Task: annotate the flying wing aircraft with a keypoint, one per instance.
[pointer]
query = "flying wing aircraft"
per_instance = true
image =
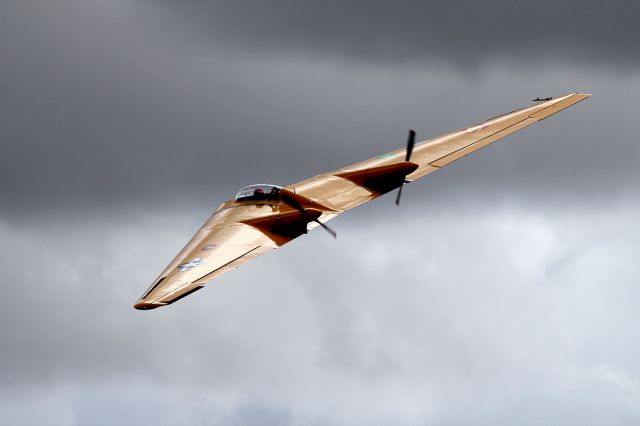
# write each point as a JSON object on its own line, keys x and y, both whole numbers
{"x": 264, "y": 217}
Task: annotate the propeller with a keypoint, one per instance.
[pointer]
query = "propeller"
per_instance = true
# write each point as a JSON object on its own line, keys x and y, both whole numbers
{"x": 333, "y": 233}
{"x": 296, "y": 205}
{"x": 411, "y": 141}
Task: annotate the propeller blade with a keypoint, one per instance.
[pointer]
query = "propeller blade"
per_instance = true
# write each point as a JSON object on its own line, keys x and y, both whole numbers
{"x": 411, "y": 141}
{"x": 296, "y": 205}
{"x": 333, "y": 233}
{"x": 398, "y": 196}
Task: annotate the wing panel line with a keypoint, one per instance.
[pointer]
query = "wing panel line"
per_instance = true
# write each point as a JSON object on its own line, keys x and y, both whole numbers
{"x": 231, "y": 261}
{"x": 478, "y": 141}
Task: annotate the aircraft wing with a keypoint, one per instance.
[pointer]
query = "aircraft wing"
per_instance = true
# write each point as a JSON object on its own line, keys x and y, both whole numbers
{"x": 242, "y": 229}
{"x": 216, "y": 248}
{"x": 343, "y": 189}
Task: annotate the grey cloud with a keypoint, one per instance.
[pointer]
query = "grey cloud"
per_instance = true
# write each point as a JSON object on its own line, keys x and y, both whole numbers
{"x": 467, "y": 34}
{"x": 122, "y": 116}
{"x": 341, "y": 329}
{"x": 502, "y": 292}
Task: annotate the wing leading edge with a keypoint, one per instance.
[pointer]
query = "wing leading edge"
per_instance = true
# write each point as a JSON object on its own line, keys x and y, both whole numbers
{"x": 430, "y": 155}
{"x": 240, "y": 231}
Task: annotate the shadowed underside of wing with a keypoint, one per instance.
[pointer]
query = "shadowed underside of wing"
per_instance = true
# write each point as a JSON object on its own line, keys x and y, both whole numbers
{"x": 238, "y": 232}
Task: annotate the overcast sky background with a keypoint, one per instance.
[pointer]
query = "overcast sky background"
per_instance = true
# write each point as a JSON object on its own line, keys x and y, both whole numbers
{"x": 503, "y": 291}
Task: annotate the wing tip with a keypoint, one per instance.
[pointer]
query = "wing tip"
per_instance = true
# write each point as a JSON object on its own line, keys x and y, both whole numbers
{"x": 145, "y": 306}
{"x": 581, "y": 95}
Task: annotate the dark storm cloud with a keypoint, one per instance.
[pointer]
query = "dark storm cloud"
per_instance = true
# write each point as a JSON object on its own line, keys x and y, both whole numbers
{"x": 107, "y": 106}
{"x": 466, "y": 33}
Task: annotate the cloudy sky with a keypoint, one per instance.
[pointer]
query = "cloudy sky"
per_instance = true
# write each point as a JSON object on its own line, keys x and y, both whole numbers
{"x": 503, "y": 291}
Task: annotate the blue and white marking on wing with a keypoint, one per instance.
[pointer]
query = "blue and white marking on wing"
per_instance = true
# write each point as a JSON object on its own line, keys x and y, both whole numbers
{"x": 190, "y": 264}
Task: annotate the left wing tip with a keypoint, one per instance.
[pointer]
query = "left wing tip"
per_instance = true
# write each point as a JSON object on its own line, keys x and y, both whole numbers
{"x": 145, "y": 306}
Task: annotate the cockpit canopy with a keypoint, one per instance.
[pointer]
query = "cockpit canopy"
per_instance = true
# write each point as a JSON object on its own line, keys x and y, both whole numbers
{"x": 260, "y": 192}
